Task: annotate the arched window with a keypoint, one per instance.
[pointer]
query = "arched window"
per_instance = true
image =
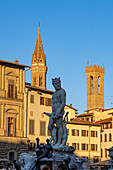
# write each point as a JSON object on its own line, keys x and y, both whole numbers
{"x": 40, "y": 81}
{"x": 91, "y": 85}
{"x": 105, "y": 138}
{"x": 110, "y": 137}
{"x": 34, "y": 81}
{"x": 101, "y": 153}
{"x": 105, "y": 152}
{"x": 99, "y": 85}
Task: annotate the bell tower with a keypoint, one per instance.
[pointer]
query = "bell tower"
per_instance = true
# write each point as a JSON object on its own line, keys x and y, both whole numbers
{"x": 95, "y": 87}
{"x": 38, "y": 68}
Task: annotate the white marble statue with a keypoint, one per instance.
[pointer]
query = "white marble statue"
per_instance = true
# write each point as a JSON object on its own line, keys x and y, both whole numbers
{"x": 27, "y": 160}
{"x": 57, "y": 126}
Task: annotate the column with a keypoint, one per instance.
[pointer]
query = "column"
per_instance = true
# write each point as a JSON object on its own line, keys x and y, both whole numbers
{"x": 3, "y": 77}
{"x": 0, "y": 77}
{"x": 2, "y": 115}
{"x": 21, "y": 79}
{"x": 18, "y": 81}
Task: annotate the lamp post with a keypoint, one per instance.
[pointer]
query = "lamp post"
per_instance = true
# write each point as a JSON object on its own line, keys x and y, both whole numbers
{"x": 28, "y": 141}
{"x": 37, "y": 139}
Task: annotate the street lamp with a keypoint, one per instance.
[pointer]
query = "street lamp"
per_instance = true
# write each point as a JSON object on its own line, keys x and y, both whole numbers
{"x": 28, "y": 141}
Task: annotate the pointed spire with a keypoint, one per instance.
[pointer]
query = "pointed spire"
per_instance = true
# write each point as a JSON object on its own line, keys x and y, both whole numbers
{"x": 38, "y": 46}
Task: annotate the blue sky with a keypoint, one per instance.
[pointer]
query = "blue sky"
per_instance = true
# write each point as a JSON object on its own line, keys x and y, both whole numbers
{"x": 73, "y": 32}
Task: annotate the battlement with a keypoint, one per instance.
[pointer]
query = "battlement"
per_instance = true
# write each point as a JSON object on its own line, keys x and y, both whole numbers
{"x": 95, "y": 68}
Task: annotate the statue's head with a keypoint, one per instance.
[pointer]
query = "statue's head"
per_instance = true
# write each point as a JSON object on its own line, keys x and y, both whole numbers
{"x": 56, "y": 83}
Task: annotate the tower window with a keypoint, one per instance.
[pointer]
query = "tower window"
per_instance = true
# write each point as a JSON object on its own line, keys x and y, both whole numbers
{"x": 91, "y": 85}
{"x": 40, "y": 81}
{"x": 40, "y": 60}
{"x": 99, "y": 85}
{"x": 34, "y": 61}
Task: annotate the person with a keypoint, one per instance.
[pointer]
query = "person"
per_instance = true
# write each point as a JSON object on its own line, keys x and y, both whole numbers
{"x": 17, "y": 166}
{"x": 58, "y": 104}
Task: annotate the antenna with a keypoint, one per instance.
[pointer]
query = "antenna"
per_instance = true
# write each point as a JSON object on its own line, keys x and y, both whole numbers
{"x": 88, "y": 63}
{"x": 111, "y": 100}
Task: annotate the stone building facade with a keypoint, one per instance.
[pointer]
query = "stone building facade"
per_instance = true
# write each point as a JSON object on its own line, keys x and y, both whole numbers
{"x": 12, "y": 85}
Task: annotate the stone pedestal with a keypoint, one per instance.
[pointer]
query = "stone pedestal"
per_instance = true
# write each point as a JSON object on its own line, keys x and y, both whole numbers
{"x": 59, "y": 157}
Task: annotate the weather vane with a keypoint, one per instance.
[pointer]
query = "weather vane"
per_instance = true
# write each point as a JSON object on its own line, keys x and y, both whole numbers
{"x": 39, "y": 23}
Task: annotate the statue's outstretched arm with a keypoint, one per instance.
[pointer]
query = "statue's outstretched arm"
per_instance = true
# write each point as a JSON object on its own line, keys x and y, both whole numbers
{"x": 48, "y": 114}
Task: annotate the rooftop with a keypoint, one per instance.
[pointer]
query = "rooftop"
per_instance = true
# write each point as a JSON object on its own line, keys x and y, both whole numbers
{"x": 7, "y": 63}
{"x": 83, "y": 122}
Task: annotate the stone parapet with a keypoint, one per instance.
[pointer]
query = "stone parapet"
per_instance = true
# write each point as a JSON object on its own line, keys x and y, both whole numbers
{"x": 95, "y": 68}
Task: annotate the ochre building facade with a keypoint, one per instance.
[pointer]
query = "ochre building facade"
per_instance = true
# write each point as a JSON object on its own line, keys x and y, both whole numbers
{"x": 12, "y": 85}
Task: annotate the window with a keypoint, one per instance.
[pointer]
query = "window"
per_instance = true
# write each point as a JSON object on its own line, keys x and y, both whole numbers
{"x": 67, "y": 131}
{"x": 95, "y": 159}
{"x": 31, "y": 113}
{"x": 34, "y": 61}
{"x": 99, "y": 85}
{"x": 73, "y": 132}
{"x": 78, "y": 146}
{"x": 48, "y": 102}
{"x": 91, "y": 119}
{"x": 101, "y": 153}
{"x": 10, "y": 126}
{"x": 94, "y": 134}
{"x": 84, "y": 146}
{"x": 105, "y": 126}
{"x": 74, "y": 145}
{"x": 77, "y": 132}
{"x": 91, "y": 85}
{"x": 11, "y": 156}
{"x": 105, "y": 152}
{"x": 12, "y": 90}
{"x": 31, "y": 127}
{"x": 101, "y": 137}
{"x": 110, "y": 137}
{"x": 31, "y": 98}
{"x": 41, "y": 100}
{"x": 105, "y": 140}
{"x": 110, "y": 125}
{"x": 40, "y": 81}
{"x": 93, "y": 147}
{"x": 84, "y": 133}
{"x": 42, "y": 128}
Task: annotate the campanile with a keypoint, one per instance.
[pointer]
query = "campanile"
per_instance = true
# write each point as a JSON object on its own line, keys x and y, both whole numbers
{"x": 38, "y": 68}
{"x": 95, "y": 87}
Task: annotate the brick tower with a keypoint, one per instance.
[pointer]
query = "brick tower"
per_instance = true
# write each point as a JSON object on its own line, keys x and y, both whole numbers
{"x": 95, "y": 87}
{"x": 38, "y": 68}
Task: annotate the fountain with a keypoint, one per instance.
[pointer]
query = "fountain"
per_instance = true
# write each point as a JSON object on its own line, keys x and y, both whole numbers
{"x": 55, "y": 154}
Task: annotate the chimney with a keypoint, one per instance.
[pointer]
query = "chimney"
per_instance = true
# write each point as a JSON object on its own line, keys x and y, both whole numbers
{"x": 16, "y": 61}
{"x": 70, "y": 105}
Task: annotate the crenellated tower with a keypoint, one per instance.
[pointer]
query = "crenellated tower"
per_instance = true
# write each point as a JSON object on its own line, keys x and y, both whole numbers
{"x": 38, "y": 68}
{"x": 95, "y": 87}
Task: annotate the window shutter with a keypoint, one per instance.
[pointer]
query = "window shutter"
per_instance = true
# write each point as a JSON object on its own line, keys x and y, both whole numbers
{"x": 14, "y": 127}
{"x": 11, "y": 91}
{"x": 6, "y": 126}
{"x": 42, "y": 128}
